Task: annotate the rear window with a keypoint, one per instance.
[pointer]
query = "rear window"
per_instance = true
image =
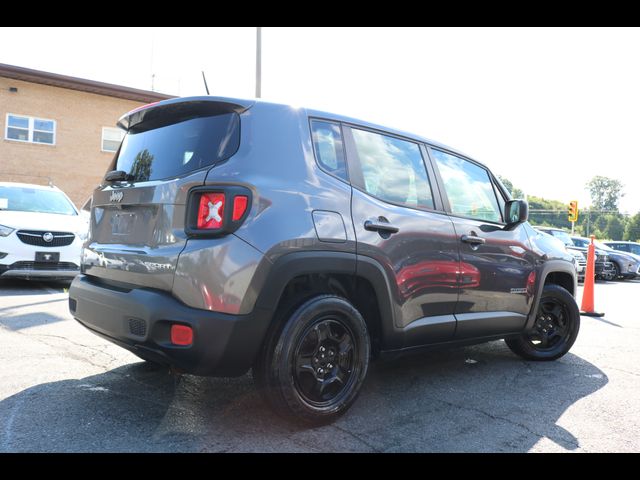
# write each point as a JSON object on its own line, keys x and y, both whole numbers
{"x": 179, "y": 148}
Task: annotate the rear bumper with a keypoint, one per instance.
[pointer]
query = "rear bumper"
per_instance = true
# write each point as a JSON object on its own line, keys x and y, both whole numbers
{"x": 140, "y": 320}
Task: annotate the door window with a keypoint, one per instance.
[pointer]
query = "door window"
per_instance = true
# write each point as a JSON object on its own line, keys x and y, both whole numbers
{"x": 468, "y": 187}
{"x": 393, "y": 169}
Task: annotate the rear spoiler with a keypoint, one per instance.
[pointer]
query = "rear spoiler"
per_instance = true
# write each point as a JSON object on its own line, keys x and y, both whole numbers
{"x": 175, "y": 110}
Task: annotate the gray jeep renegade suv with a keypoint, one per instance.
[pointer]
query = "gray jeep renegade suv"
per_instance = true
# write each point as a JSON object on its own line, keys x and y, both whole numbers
{"x": 230, "y": 234}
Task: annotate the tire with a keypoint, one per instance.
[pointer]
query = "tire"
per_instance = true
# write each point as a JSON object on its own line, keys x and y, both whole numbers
{"x": 314, "y": 362}
{"x": 616, "y": 272}
{"x": 556, "y": 328}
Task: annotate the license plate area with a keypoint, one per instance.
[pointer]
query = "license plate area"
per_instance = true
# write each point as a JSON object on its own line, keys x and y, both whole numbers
{"x": 122, "y": 223}
{"x": 47, "y": 257}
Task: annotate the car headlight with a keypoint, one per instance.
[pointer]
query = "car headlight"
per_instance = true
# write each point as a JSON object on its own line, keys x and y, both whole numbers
{"x": 5, "y": 231}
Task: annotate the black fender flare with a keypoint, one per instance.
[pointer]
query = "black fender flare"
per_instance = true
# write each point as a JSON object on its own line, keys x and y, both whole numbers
{"x": 292, "y": 265}
{"x": 547, "y": 268}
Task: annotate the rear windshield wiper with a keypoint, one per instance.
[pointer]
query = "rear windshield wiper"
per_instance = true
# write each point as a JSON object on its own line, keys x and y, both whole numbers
{"x": 117, "y": 176}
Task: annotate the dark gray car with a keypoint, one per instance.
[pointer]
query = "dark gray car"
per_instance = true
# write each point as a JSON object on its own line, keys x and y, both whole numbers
{"x": 624, "y": 266}
{"x": 231, "y": 234}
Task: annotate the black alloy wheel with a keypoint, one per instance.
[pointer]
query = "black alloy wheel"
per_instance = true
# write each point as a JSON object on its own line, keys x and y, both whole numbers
{"x": 324, "y": 361}
{"x": 551, "y": 325}
{"x": 555, "y": 329}
{"x": 315, "y": 360}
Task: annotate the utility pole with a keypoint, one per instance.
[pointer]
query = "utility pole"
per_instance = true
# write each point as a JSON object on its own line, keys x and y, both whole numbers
{"x": 258, "y": 62}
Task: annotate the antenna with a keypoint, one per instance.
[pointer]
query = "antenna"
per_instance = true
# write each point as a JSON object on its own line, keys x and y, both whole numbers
{"x": 258, "y": 62}
{"x": 204, "y": 79}
{"x": 153, "y": 75}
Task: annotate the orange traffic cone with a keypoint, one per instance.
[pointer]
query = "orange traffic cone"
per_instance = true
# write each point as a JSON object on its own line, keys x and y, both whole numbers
{"x": 587, "y": 307}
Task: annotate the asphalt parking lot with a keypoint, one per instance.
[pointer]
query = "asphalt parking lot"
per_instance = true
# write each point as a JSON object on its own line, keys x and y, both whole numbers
{"x": 63, "y": 389}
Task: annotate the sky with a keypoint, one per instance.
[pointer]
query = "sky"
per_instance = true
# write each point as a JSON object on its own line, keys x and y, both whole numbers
{"x": 548, "y": 108}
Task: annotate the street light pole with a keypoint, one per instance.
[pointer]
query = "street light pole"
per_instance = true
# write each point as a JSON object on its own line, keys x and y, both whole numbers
{"x": 258, "y": 62}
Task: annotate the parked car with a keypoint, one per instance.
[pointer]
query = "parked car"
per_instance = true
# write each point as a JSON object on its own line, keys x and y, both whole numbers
{"x": 580, "y": 261}
{"x": 578, "y": 254}
{"x": 229, "y": 234}
{"x": 629, "y": 248}
{"x": 624, "y": 265}
{"x": 41, "y": 232}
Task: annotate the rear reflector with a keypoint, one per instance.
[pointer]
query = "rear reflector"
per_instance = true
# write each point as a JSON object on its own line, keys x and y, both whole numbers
{"x": 181, "y": 335}
{"x": 211, "y": 211}
{"x": 239, "y": 207}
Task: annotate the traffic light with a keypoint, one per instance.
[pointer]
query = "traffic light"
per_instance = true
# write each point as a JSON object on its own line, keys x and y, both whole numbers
{"x": 573, "y": 211}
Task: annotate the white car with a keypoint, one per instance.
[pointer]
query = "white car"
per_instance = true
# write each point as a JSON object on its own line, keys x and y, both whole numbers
{"x": 41, "y": 232}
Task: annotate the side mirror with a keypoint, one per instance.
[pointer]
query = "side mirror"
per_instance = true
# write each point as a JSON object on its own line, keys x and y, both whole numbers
{"x": 516, "y": 212}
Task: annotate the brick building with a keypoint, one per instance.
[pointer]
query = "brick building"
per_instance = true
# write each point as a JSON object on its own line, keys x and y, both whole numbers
{"x": 61, "y": 127}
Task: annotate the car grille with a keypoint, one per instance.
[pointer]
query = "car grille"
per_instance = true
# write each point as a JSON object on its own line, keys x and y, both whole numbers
{"x": 61, "y": 266}
{"x": 36, "y": 237}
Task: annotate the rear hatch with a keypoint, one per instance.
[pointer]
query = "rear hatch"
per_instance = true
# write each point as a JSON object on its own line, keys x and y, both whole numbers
{"x": 137, "y": 222}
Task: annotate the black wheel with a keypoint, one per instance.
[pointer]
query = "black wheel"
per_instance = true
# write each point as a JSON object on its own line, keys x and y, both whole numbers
{"x": 616, "y": 271}
{"x": 313, "y": 366}
{"x": 555, "y": 330}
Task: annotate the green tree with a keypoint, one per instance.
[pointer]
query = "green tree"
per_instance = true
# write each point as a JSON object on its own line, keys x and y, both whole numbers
{"x": 605, "y": 192}
{"x": 615, "y": 228}
{"x": 555, "y": 214}
{"x": 141, "y": 167}
{"x": 599, "y": 223}
{"x": 514, "y": 191}
{"x": 632, "y": 232}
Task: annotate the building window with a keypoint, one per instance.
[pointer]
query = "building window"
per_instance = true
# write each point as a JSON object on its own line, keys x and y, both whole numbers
{"x": 111, "y": 138}
{"x": 30, "y": 129}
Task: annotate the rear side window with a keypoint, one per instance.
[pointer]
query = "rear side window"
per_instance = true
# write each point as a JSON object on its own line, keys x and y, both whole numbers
{"x": 327, "y": 143}
{"x": 179, "y": 148}
{"x": 468, "y": 187}
{"x": 393, "y": 170}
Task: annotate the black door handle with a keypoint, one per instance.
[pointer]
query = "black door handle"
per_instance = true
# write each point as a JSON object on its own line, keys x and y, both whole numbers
{"x": 472, "y": 239}
{"x": 377, "y": 226}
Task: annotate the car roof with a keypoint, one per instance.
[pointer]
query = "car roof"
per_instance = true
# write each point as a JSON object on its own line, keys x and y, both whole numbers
{"x": 29, "y": 185}
{"x": 621, "y": 241}
{"x": 373, "y": 126}
{"x": 246, "y": 104}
